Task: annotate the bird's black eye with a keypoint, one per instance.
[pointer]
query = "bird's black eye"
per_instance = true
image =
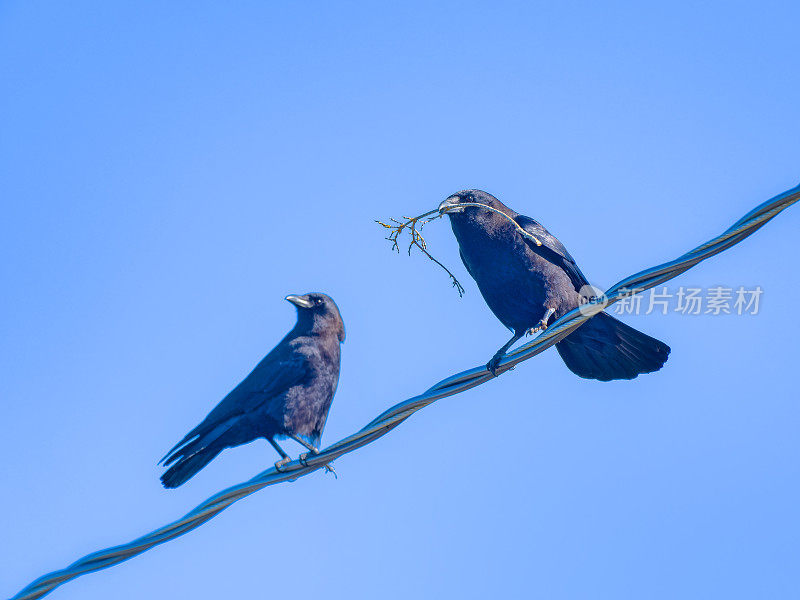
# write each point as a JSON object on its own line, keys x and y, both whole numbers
{"x": 317, "y": 301}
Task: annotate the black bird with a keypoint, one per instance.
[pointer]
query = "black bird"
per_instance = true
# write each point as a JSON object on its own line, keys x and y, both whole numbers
{"x": 525, "y": 283}
{"x": 288, "y": 394}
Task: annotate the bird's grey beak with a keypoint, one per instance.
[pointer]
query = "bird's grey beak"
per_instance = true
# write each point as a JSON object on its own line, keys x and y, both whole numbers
{"x": 450, "y": 206}
{"x": 299, "y": 301}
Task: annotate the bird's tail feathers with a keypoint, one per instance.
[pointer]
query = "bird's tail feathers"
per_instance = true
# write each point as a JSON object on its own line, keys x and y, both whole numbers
{"x": 169, "y": 456}
{"x": 604, "y": 348}
{"x": 188, "y": 465}
{"x": 194, "y": 452}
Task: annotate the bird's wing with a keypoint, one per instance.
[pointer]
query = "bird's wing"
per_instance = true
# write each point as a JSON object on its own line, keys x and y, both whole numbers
{"x": 551, "y": 250}
{"x": 274, "y": 375}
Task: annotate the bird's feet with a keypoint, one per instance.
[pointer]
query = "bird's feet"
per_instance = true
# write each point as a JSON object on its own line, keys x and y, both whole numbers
{"x": 534, "y": 330}
{"x": 542, "y": 325}
{"x": 303, "y": 458}
{"x": 281, "y": 463}
{"x": 494, "y": 364}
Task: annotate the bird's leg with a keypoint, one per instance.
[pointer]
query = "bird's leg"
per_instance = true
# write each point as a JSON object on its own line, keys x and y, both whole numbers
{"x": 543, "y": 323}
{"x": 313, "y": 450}
{"x": 498, "y": 356}
{"x": 302, "y": 442}
{"x": 284, "y": 457}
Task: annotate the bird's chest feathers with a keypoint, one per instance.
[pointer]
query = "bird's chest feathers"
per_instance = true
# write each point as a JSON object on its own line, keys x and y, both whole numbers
{"x": 498, "y": 256}
{"x": 322, "y": 370}
{"x": 509, "y": 276}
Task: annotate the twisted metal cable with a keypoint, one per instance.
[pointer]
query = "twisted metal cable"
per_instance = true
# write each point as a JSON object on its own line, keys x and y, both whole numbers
{"x": 392, "y": 417}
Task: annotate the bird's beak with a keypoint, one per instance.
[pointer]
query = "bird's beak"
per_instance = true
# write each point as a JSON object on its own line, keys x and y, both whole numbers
{"x": 450, "y": 206}
{"x": 299, "y": 301}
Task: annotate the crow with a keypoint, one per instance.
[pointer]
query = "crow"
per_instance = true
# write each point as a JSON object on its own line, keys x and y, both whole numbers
{"x": 527, "y": 279}
{"x": 288, "y": 394}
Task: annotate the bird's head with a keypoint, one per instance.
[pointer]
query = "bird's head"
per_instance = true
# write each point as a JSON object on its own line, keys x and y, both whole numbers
{"x": 462, "y": 204}
{"x": 318, "y": 313}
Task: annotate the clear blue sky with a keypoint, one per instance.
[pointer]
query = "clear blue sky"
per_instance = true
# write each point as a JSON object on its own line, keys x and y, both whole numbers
{"x": 169, "y": 173}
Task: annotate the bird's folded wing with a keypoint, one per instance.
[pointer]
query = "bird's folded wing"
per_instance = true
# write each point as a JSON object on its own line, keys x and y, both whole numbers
{"x": 273, "y": 376}
{"x": 270, "y": 378}
{"x": 551, "y": 250}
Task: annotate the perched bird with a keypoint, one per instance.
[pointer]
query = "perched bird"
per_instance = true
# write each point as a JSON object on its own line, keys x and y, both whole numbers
{"x": 288, "y": 394}
{"x": 527, "y": 279}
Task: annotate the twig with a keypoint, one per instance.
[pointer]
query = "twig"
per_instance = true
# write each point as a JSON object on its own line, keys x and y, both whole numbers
{"x": 516, "y": 225}
{"x": 411, "y": 225}
{"x": 414, "y": 226}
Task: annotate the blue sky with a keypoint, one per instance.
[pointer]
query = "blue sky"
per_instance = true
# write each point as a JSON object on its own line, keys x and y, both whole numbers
{"x": 170, "y": 171}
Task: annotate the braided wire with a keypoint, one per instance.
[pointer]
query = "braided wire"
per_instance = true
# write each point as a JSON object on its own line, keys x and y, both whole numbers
{"x": 395, "y": 415}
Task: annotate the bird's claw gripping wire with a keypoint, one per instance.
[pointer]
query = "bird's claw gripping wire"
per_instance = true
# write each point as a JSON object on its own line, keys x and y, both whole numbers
{"x": 542, "y": 325}
{"x": 303, "y": 458}
{"x": 282, "y": 463}
{"x": 493, "y": 364}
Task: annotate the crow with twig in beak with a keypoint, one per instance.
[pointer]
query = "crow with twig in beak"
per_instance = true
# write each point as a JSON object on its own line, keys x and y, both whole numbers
{"x": 527, "y": 278}
{"x": 287, "y": 395}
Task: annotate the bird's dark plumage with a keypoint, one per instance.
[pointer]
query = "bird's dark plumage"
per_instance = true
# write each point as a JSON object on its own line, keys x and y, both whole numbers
{"x": 288, "y": 394}
{"x": 525, "y": 283}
